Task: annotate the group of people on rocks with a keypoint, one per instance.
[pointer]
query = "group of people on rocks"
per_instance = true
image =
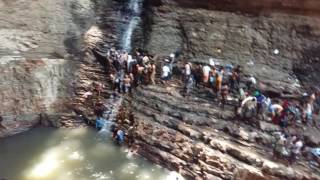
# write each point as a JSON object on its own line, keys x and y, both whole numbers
{"x": 131, "y": 70}
{"x": 253, "y": 104}
{"x": 227, "y": 82}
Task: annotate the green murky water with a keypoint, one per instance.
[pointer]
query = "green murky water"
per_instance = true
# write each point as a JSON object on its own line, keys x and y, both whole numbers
{"x": 64, "y": 154}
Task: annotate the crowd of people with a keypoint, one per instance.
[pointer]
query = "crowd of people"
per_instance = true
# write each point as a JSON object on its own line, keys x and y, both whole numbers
{"x": 226, "y": 82}
{"x": 131, "y": 71}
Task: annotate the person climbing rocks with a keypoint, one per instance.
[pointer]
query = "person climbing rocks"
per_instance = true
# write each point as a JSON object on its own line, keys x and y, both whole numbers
{"x": 99, "y": 123}
{"x": 120, "y": 135}
{"x": 205, "y": 77}
{"x": 308, "y": 112}
{"x": 189, "y": 83}
{"x": 219, "y": 79}
{"x": 260, "y": 101}
{"x": 116, "y": 64}
{"x": 248, "y": 105}
{"x": 296, "y": 150}
{"x": 126, "y": 84}
{"x": 234, "y": 80}
{"x": 238, "y": 70}
{"x": 118, "y": 81}
{"x": 241, "y": 96}
{"x": 130, "y": 135}
{"x": 197, "y": 73}
{"x": 145, "y": 60}
{"x": 165, "y": 75}
{"x": 316, "y": 104}
{"x": 140, "y": 74}
{"x": 146, "y": 74}
{"x": 280, "y": 150}
{"x": 275, "y": 110}
{"x": 98, "y": 87}
{"x": 224, "y": 94}
{"x": 99, "y": 109}
{"x": 113, "y": 81}
{"x": 315, "y": 154}
{"x": 251, "y": 82}
{"x": 153, "y": 72}
{"x": 212, "y": 78}
{"x": 130, "y": 63}
{"x": 187, "y": 70}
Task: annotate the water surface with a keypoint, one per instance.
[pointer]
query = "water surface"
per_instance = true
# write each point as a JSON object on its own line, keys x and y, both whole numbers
{"x": 64, "y": 154}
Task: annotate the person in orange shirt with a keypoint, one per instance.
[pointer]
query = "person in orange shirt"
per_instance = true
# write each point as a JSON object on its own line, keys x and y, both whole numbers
{"x": 219, "y": 78}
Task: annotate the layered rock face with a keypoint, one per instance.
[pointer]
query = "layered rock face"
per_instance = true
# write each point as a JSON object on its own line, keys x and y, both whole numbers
{"x": 31, "y": 88}
{"x": 195, "y": 136}
{"x": 239, "y": 38}
{"x": 39, "y": 59}
{"x": 308, "y": 7}
{"x": 47, "y": 59}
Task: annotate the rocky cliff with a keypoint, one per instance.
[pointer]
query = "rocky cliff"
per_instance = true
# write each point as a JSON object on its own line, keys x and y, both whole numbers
{"x": 40, "y": 54}
{"x": 239, "y": 38}
{"x": 51, "y": 52}
{"x": 193, "y": 135}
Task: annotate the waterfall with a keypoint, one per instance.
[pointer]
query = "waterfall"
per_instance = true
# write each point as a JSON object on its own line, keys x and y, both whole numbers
{"x": 113, "y": 103}
{"x": 134, "y": 10}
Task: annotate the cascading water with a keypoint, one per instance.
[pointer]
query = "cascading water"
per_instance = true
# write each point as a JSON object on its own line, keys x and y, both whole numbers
{"x": 113, "y": 104}
{"x": 134, "y": 10}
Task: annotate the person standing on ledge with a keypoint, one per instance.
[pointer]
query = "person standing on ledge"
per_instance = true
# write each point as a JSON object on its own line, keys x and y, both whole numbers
{"x": 166, "y": 72}
{"x": 224, "y": 94}
{"x": 153, "y": 72}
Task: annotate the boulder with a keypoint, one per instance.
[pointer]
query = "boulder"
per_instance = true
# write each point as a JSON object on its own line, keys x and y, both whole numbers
{"x": 265, "y": 126}
{"x": 311, "y": 137}
{"x": 189, "y": 131}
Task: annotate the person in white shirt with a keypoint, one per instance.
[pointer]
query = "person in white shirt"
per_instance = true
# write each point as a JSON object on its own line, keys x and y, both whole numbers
{"x": 248, "y": 105}
{"x": 206, "y": 70}
{"x": 187, "y": 71}
{"x": 308, "y": 113}
{"x": 165, "y": 75}
{"x": 130, "y": 63}
{"x": 251, "y": 82}
{"x": 187, "y": 68}
{"x": 296, "y": 150}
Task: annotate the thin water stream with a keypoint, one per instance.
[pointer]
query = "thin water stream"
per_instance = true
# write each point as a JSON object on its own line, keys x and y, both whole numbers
{"x": 78, "y": 154}
{"x": 134, "y": 11}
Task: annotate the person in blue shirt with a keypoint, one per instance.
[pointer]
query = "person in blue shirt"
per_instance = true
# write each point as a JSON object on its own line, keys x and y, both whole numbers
{"x": 260, "y": 100}
{"x": 120, "y": 136}
{"x": 99, "y": 123}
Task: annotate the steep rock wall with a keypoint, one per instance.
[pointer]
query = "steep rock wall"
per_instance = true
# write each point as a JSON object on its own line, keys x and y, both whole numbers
{"x": 30, "y": 88}
{"x": 40, "y": 53}
{"x": 201, "y": 32}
